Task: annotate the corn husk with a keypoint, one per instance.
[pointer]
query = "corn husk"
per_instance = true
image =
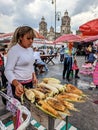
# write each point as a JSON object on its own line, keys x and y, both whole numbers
{"x": 30, "y": 95}
{"x": 48, "y": 109}
{"x": 54, "y": 90}
{"x": 51, "y": 80}
{"x": 38, "y": 94}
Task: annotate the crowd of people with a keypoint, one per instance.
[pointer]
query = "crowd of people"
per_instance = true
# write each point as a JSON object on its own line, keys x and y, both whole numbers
{"x": 68, "y": 58}
{"x": 67, "y": 54}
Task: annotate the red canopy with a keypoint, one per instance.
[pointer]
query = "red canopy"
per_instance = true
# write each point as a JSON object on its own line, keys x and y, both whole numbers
{"x": 90, "y": 28}
{"x": 68, "y": 38}
{"x": 38, "y": 35}
{"x": 90, "y": 38}
{"x": 6, "y": 35}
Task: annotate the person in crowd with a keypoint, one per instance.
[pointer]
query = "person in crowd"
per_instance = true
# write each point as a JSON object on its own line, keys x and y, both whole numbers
{"x": 3, "y": 81}
{"x": 1, "y": 69}
{"x": 55, "y": 51}
{"x": 67, "y": 63}
{"x": 95, "y": 55}
{"x": 47, "y": 50}
{"x": 88, "y": 50}
{"x": 4, "y": 58}
{"x": 38, "y": 59}
{"x": 51, "y": 51}
{"x": 94, "y": 47}
{"x": 95, "y": 72}
{"x": 1, "y": 62}
{"x": 94, "y": 83}
{"x": 62, "y": 53}
{"x": 19, "y": 69}
{"x": 75, "y": 68}
{"x": 86, "y": 53}
{"x": 91, "y": 57}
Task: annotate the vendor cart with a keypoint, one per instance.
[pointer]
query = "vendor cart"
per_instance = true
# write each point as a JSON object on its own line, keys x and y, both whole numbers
{"x": 49, "y": 122}
{"x": 21, "y": 123}
{"x": 35, "y": 117}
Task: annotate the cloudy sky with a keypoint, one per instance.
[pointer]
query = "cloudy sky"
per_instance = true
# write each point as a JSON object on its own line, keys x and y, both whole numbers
{"x": 14, "y": 13}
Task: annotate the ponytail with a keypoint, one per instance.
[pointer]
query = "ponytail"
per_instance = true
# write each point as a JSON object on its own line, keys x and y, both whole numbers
{"x": 15, "y": 38}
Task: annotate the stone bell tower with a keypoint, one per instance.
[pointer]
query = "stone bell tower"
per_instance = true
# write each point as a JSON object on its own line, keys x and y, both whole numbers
{"x": 43, "y": 27}
{"x": 65, "y": 24}
{"x": 51, "y": 34}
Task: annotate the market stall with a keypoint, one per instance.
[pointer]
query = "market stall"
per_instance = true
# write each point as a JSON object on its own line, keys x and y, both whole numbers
{"x": 50, "y": 102}
{"x": 49, "y": 122}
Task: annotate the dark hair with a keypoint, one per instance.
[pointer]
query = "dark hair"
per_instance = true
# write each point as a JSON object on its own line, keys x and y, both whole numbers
{"x": 75, "y": 61}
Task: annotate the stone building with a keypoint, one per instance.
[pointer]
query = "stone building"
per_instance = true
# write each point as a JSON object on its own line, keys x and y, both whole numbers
{"x": 65, "y": 24}
{"x": 43, "y": 27}
{"x": 65, "y": 28}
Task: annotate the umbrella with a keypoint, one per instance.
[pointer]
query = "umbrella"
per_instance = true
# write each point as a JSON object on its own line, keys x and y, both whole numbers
{"x": 90, "y": 38}
{"x": 68, "y": 38}
{"x": 9, "y": 35}
{"x": 6, "y": 35}
{"x": 90, "y": 28}
{"x": 38, "y": 35}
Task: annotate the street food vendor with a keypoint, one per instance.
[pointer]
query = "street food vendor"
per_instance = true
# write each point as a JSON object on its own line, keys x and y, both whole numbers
{"x": 19, "y": 69}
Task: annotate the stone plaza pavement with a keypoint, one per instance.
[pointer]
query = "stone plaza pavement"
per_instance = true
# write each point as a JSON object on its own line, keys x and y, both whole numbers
{"x": 87, "y": 117}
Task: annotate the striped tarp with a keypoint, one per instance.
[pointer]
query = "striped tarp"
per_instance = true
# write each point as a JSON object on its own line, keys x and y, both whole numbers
{"x": 37, "y": 125}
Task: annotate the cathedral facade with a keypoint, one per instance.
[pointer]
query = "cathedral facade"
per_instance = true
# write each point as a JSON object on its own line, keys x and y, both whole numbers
{"x": 65, "y": 28}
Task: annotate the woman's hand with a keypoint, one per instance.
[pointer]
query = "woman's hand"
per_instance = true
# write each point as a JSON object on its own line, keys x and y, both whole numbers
{"x": 19, "y": 90}
{"x": 35, "y": 80}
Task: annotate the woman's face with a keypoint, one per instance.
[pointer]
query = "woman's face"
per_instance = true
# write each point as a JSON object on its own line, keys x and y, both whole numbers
{"x": 26, "y": 41}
